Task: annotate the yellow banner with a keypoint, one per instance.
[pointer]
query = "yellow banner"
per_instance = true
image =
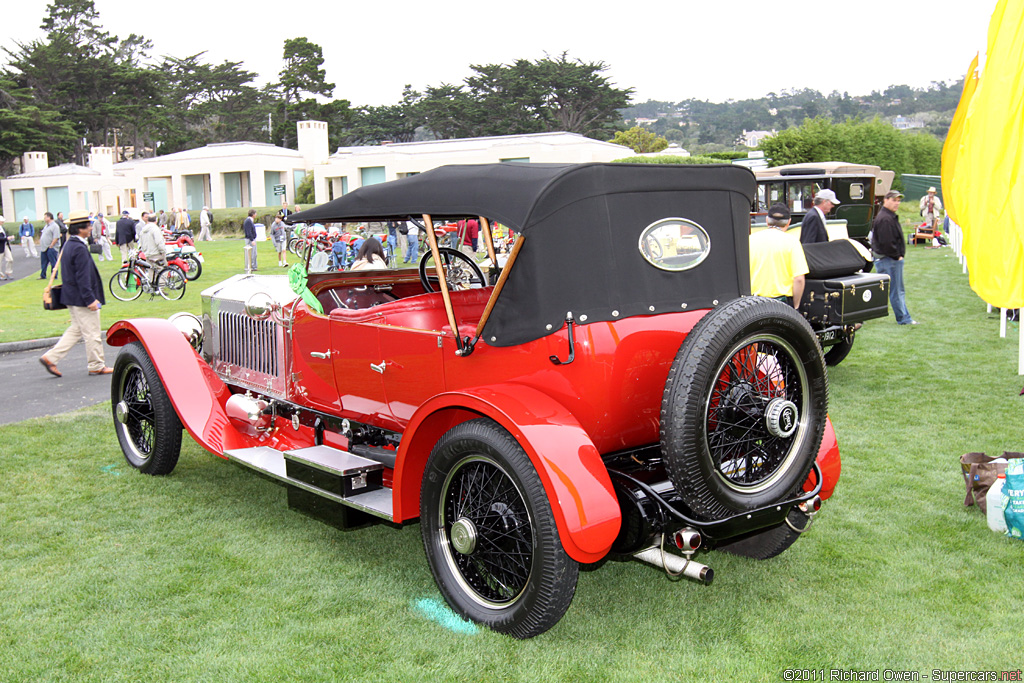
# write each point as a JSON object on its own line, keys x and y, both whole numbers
{"x": 951, "y": 148}
{"x": 988, "y": 171}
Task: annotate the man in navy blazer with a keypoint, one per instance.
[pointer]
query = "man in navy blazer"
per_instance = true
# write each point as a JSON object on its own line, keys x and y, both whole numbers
{"x": 82, "y": 293}
{"x": 813, "y": 227}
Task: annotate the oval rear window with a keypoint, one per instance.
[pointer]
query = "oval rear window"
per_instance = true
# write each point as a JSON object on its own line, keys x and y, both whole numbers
{"x": 674, "y": 244}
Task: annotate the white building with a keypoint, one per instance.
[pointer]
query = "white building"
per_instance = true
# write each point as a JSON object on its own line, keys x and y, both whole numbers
{"x": 238, "y": 174}
{"x": 352, "y": 167}
{"x": 753, "y": 138}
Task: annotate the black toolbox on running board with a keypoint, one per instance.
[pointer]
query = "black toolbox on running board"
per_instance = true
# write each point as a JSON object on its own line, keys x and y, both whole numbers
{"x": 846, "y": 299}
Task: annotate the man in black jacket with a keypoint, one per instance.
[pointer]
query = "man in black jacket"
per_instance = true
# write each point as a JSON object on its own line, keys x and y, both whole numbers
{"x": 82, "y": 293}
{"x": 812, "y": 229}
{"x": 889, "y": 247}
{"x": 124, "y": 234}
{"x": 249, "y": 229}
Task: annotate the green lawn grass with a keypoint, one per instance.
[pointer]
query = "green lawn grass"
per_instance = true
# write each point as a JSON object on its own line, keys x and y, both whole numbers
{"x": 21, "y": 308}
{"x": 206, "y": 575}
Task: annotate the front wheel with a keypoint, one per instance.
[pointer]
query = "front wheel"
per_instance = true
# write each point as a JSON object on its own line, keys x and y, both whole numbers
{"x": 489, "y": 533}
{"x": 148, "y": 428}
{"x": 126, "y": 284}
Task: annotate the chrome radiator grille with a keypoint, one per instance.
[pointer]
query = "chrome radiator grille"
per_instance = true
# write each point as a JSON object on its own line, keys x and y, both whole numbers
{"x": 248, "y": 343}
{"x": 250, "y": 352}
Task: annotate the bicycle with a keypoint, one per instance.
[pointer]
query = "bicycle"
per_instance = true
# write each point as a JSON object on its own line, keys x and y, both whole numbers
{"x": 132, "y": 280}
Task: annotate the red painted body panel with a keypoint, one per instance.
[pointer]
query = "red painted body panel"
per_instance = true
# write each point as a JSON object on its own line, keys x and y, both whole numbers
{"x": 564, "y": 416}
{"x": 828, "y": 461}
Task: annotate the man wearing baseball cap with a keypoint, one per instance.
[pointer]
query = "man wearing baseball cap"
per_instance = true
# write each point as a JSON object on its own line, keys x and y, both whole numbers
{"x": 777, "y": 262}
{"x": 813, "y": 228}
{"x": 889, "y": 248}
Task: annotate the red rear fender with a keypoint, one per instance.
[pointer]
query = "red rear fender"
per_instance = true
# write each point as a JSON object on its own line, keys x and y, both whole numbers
{"x": 828, "y": 461}
{"x": 570, "y": 467}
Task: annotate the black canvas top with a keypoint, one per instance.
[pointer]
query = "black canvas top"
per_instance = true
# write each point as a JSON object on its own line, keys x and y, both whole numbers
{"x": 582, "y": 225}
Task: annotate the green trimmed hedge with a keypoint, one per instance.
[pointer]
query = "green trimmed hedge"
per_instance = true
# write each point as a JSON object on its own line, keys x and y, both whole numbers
{"x": 669, "y": 160}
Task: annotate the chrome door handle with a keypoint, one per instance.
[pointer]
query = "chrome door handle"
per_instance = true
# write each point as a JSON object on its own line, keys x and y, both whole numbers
{"x": 379, "y": 368}
{"x": 317, "y": 354}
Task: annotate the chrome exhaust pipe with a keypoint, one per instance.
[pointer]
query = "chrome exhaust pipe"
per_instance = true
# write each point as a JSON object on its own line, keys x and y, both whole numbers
{"x": 676, "y": 565}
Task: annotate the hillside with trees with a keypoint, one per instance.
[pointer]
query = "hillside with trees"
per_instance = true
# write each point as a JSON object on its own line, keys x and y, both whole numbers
{"x": 703, "y": 126}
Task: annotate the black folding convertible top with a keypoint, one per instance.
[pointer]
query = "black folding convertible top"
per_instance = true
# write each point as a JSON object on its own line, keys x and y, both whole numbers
{"x": 581, "y": 225}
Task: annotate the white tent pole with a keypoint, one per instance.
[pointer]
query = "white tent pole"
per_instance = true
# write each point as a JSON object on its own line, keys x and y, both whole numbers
{"x": 1002, "y": 323}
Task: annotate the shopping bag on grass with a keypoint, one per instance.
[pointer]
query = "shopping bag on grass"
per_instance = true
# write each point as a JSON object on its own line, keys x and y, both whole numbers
{"x": 1013, "y": 499}
{"x": 980, "y": 472}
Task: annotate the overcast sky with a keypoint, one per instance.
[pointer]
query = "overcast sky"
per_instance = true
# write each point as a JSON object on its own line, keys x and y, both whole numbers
{"x": 665, "y": 50}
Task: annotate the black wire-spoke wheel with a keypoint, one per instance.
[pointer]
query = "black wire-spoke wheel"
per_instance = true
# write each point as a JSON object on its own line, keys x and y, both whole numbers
{"x": 744, "y": 408}
{"x": 460, "y": 271}
{"x": 148, "y": 428}
{"x": 753, "y": 412}
{"x": 489, "y": 533}
{"x": 170, "y": 282}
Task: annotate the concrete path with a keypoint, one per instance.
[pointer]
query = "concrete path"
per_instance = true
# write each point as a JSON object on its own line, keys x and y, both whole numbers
{"x": 28, "y": 390}
{"x": 24, "y": 267}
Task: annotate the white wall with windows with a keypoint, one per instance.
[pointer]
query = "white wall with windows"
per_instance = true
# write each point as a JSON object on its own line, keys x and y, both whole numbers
{"x": 241, "y": 174}
{"x": 353, "y": 167}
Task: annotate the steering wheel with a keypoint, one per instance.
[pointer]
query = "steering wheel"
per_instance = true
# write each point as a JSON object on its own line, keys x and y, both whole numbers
{"x": 653, "y": 246}
{"x": 460, "y": 271}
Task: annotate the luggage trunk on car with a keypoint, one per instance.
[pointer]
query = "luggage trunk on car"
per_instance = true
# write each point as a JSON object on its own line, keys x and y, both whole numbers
{"x": 846, "y": 300}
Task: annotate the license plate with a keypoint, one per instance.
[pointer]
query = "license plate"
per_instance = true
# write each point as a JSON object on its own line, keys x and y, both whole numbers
{"x": 830, "y": 335}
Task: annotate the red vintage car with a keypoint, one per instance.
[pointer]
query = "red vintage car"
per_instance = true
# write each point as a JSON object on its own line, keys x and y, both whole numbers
{"x": 613, "y": 389}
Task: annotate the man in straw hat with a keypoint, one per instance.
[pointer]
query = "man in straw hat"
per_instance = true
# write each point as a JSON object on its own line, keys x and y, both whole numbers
{"x": 82, "y": 293}
{"x": 931, "y": 208}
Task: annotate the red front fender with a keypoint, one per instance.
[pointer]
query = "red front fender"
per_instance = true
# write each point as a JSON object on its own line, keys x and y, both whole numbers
{"x": 196, "y": 392}
{"x": 570, "y": 467}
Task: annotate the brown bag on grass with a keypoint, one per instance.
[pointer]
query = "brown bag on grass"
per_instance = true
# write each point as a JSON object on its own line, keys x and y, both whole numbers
{"x": 980, "y": 472}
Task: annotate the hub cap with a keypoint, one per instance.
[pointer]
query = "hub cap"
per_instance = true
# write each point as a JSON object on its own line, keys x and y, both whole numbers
{"x": 464, "y": 536}
{"x": 781, "y": 417}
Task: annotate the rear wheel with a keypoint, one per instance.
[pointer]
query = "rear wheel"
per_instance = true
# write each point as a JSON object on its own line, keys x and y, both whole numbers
{"x": 489, "y": 533}
{"x": 126, "y": 284}
{"x": 195, "y": 268}
{"x": 838, "y": 352}
{"x": 148, "y": 428}
{"x": 744, "y": 408}
{"x": 770, "y": 542}
{"x": 170, "y": 282}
